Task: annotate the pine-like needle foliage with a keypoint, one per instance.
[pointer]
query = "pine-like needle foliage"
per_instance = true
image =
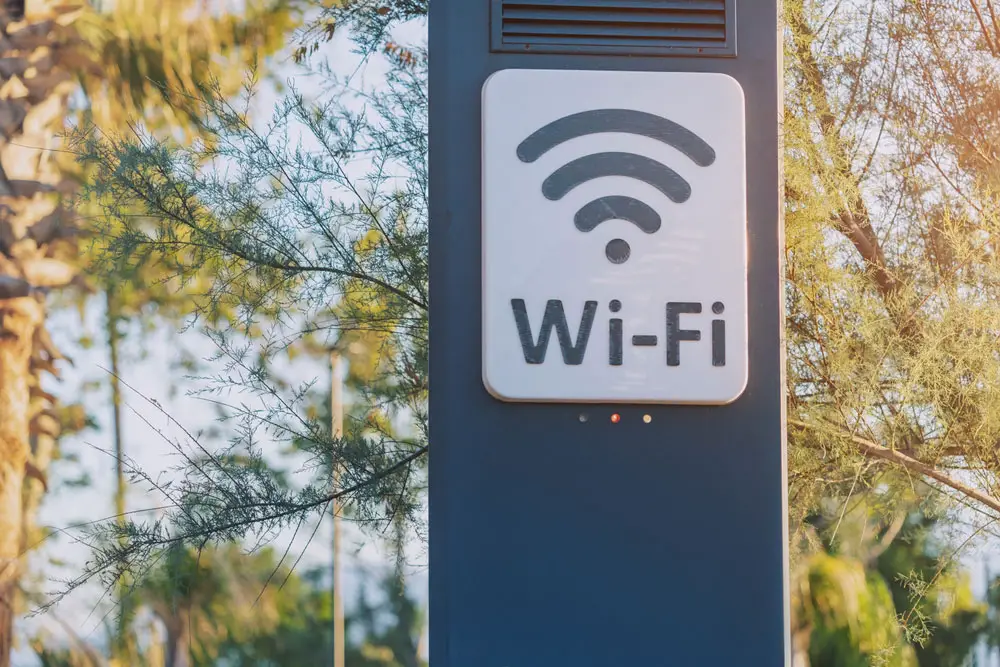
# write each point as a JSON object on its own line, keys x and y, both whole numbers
{"x": 315, "y": 227}
{"x": 891, "y": 217}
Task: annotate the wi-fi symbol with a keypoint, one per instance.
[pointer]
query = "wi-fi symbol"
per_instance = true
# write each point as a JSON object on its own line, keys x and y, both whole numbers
{"x": 597, "y": 165}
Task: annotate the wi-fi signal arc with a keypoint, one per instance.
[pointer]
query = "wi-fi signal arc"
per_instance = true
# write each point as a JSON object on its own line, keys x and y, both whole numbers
{"x": 599, "y": 165}
{"x": 626, "y": 121}
{"x": 617, "y": 207}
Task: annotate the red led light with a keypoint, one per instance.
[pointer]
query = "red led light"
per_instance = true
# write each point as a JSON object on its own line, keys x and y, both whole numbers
{"x": 615, "y": 418}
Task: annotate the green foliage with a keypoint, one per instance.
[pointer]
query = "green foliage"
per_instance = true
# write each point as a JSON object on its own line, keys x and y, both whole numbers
{"x": 152, "y": 60}
{"x": 853, "y": 616}
{"x": 369, "y": 22}
{"x": 939, "y": 615}
{"x": 303, "y": 633}
{"x": 152, "y": 67}
{"x": 391, "y": 633}
{"x": 251, "y": 610}
{"x": 381, "y": 634}
{"x": 887, "y": 591}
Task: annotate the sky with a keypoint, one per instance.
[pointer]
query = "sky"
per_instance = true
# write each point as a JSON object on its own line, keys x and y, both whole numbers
{"x": 146, "y": 368}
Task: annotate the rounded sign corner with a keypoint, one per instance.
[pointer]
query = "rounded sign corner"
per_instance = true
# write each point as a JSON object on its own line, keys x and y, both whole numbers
{"x": 730, "y": 80}
{"x": 499, "y": 74}
{"x": 492, "y": 391}
{"x": 738, "y": 394}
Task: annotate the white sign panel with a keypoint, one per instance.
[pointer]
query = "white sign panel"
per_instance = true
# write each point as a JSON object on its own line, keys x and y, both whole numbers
{"x": 614, "y": 237}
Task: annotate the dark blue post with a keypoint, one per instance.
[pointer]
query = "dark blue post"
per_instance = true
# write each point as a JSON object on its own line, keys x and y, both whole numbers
{"x": 556, "y": 542}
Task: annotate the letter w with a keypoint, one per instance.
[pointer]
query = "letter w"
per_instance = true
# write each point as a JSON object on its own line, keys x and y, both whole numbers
{"x": 555, "y": 316}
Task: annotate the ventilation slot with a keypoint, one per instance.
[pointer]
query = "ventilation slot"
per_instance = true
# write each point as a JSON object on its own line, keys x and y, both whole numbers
{"x": 637, "y": 27}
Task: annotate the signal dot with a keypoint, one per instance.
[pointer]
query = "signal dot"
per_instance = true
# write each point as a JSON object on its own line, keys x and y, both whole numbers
{"x": 718, "y": 307}
{"x": 615, "y": 305}
{"x": 647, "y": 418}
{"x": 617, "y": 251}
{"x": 615, "y": 418}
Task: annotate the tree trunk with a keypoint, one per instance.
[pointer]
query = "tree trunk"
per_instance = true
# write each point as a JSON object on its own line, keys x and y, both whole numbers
{"x": 337, "y": 431}
{"x": 114, "y": 341}
{"x": 19, "y": 319}
{"x": 34, "y": 87}
{"x": 120, "y": 642}
{"x": 801, "y": 625}
{"x": 179, "y": 640}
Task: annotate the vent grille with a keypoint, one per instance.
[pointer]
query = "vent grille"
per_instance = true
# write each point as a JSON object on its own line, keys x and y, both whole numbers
{"x": 635, "y": 27}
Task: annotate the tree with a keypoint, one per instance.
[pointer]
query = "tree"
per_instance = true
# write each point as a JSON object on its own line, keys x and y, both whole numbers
{"x": 892, "y": 595}
{"x": 890, "y": 222}
{"x": 889, "y": 251}
{"x": 385, "y": 633}
{"x": 123, "y": 63}
{"x": 283, "y": 250}
{"x": 31, "y": 260}
{"x": 230, "y": 607}
{"x": 392, "y": 642}
{"x": 136, "y": 73}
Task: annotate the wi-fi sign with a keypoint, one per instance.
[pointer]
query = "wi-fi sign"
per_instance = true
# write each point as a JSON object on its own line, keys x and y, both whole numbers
{"x": 614, "y": 236}
{"x": 616, "y": 163}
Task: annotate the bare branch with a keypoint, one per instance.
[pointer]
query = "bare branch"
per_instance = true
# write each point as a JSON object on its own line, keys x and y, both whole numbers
{"x": 872, "y": 449}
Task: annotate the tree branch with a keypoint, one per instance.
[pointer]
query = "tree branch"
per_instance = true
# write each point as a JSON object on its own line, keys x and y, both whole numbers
{"x": 986, "y": 31}
{"x": 878, "y": 451}
{"x": 854, "y": 220}
{"x": 890, "y": 534}
{"x": 302, "y": 507}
